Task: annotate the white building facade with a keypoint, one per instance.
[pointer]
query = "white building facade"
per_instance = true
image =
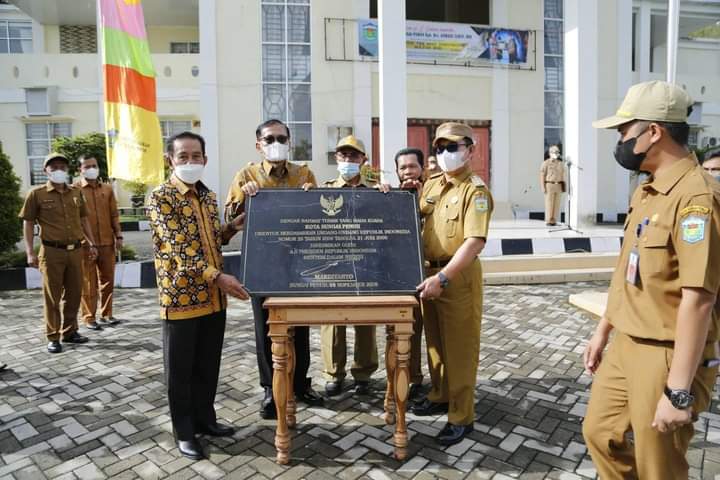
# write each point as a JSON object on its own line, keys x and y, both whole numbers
{"x": 224, "y": 66}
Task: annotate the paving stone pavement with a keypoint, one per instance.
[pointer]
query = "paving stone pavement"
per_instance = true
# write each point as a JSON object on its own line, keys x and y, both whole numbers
{"x": 99, "y": 410}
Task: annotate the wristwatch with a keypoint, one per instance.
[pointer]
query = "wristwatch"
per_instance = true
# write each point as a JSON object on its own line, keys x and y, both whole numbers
{"x": 444, "y": 281}
{"x": 680, "y": 399}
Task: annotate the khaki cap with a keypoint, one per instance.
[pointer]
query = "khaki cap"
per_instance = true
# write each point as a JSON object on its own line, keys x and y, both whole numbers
{"x": 351, "y": 142}
{"x": 654, "y": 101}
{"x": 453, "y": 131}
{"x": 54, "y": 155}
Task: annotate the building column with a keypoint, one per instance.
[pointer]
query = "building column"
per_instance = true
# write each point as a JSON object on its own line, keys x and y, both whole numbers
{"x": 642, "y": 51}
{"x": 624, "y": 81}
{"x": 581, "y": 108}
{"x": 500, "y": 159}
{"x": 362, "y": 88}
{"x": 393, "y": 85}
{"x": 209, "y": 111}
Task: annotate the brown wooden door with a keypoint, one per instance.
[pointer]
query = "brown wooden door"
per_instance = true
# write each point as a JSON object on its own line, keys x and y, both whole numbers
{"x": 480, "y": 161}
{"x": 419, "y": 137}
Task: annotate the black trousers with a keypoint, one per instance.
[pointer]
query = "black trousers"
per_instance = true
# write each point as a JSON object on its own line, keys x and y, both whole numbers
{"x": 263, "y": 348}
{"x": 191, "y": 350}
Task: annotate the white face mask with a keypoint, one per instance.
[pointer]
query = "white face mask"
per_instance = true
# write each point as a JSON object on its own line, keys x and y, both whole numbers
{"x": 276, "y": 151}
{"x": 91, "y": 173}
{"x": 58, "y": 176}
{"x": 189, "y": 173}
{"x": 348, "y": 170}
{"x": 450, "y": 161}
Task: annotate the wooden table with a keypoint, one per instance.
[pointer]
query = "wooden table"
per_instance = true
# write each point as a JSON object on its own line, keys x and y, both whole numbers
{"x": 396, "y": 312}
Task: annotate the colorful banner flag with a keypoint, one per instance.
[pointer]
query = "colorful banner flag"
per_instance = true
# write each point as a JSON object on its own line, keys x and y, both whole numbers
{"x": 134, "y": 139}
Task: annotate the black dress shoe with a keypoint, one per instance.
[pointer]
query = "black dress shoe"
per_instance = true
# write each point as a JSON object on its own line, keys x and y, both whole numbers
{"x": 334, "y": 388}
{"x": 216, "y": 430}
{"x": 362, "y": 387}
{"x": 267, "y": 406}
{"x": 310, "y": 398}
{"x": 427, "y": 408}
{"x": 415, "y": 395}
{"x": 93, "y": 326}
{"x": 54, "y": 347}
{"x": 191, "y": 449}
{"x": 452, "y": 434}
{"x": 109, "y": 320}
{"x": 75, "y": 337}
{"x": 3, "y": 366}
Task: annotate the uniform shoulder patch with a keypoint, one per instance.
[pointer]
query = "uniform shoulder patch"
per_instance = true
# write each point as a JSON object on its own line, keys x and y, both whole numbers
{"x": 481, "y": 203}
{"x": 477, "y": 181}
{"x": 694, "y": 209}
{"x": 693, "y": 228}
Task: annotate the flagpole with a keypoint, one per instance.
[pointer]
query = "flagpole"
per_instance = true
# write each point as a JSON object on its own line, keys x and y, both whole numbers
{"x": 672, "y": 39}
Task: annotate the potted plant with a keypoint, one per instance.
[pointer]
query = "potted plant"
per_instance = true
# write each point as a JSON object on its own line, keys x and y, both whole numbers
{"x": 137, "y": 192}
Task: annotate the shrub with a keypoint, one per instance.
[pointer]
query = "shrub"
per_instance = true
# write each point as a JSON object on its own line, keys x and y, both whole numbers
{"x": 10, "y": 205}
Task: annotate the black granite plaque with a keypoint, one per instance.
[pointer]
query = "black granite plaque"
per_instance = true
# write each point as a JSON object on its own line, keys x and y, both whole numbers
{"x": 331, "y": 242}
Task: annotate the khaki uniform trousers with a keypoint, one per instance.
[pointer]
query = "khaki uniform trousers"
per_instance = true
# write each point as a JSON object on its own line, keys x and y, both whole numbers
{"x": 553, "y": 196}
{"x": 452, "y": 332}
{"x": 624, "y": 397}
{"x": 62, "y": 284}
{"x": 334, "y": 352}
{"x": 102, "y": 269}
{"x": 416, "y": 374}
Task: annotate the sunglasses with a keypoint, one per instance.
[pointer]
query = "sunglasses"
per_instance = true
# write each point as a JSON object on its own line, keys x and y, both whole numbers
{"x": 450, "y": 147}
{"x": 270, "y": 139}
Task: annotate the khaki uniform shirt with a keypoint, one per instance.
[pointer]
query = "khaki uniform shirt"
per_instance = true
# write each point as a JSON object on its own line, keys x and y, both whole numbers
{"x": 290, "y": 175}
{"x": 340, "y": 182}
{"x": 187, "y": 237}
{"x": 58, "y": 214}
{"x": 453, "y": 211}
{"x": 102, "y": 211}
{"x": 674, "y": 226}
{"x": 553, "y": 170}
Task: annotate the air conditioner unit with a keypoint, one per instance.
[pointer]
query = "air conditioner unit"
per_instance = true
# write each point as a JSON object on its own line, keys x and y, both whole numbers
{"x": 41, "y": 101}
{"x": 710, "y": 142}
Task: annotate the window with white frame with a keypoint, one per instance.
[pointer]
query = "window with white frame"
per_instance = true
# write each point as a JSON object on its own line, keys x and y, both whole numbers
{"x": 286, "y": 70}
{"x": 16, "y": 37}
{"x": 39, "y": 138}
{"x": 553, "y": 23}
{"x": 173, "y": 127}
{"x": 184, "y": 47}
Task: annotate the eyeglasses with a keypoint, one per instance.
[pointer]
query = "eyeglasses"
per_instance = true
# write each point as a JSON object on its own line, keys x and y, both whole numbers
{"x": 450, "y": 147}
{"x": 270, "y": 139}
{"x": 349, "y": 154}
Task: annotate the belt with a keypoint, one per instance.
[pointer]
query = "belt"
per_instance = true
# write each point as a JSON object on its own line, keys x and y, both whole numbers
{"x": 553, "y": 182}
{"x": 64, "y": 246}
{"x": 436, "y": 263}
{"x": 652, "y": 341}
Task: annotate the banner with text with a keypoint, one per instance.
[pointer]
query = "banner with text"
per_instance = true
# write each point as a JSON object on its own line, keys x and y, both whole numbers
{"x": 434, "y": 42}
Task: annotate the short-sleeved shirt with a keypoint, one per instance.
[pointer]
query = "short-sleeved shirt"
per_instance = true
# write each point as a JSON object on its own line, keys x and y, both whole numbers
{"x": 674, "y": 227}
{"x": 453, "y": 211}
{"x": 288, "y": 175}
{"x": 102, "y": 209}
{"x": 340, "y": 182}
{"x": 553, "y": 170}
{"x": 57, "y": 213}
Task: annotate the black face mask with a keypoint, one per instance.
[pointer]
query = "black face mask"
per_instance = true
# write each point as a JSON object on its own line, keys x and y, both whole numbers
{"x": 625, "y": 155}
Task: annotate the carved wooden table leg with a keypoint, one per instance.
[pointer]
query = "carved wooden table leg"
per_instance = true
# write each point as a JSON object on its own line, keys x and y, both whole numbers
{"x": 279, "y": 336}
{"x": 390, "y": 366}
{"x": 401, "y": 340}
{"x": 291, "y": 405}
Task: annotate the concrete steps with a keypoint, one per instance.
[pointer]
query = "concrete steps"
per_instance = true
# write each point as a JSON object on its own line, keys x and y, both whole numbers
{"x": 559, "y": 268}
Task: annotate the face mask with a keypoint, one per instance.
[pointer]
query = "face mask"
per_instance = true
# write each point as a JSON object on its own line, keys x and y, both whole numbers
{"x": 276, "y": 151}
{"x": 58, "y": 176}
{"x": 554, "y": 155}
{"x": 91, "y": 173}
{"x": 717, "y": 177}
{"x": 625, "y": 155}
{"x": 348, "y": 170}
{"x": 450, "y": 161}
{"x": 189, "y": 173}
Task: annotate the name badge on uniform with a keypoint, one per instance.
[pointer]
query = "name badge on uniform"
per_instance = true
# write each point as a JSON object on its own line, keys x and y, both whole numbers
{"x": 631, "y": 274}
{"x": 481, "y": 203}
